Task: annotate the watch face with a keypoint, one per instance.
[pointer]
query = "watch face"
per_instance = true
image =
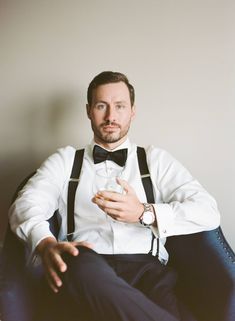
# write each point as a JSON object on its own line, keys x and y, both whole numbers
{"x": 148, "y": 218}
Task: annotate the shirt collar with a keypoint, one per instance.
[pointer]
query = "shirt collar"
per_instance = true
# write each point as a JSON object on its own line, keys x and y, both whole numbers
{"x": 125, "y": 144}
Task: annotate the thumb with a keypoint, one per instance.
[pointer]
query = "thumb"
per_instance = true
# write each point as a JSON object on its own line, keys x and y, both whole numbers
{"x": 127, "y": 188}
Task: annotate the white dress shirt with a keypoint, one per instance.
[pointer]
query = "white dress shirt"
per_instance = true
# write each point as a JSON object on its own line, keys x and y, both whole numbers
{"x": 182, "y": 205}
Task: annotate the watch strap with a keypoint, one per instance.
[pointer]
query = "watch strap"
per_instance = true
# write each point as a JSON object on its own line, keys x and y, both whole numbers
{"x": 147, "y": 208}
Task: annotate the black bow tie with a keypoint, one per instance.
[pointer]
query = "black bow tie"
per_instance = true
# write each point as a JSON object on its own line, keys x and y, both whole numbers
{"x": 101, "y": 155}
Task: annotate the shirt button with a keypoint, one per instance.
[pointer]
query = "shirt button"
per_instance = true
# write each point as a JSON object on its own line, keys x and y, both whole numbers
{"x": 164, "y": 231}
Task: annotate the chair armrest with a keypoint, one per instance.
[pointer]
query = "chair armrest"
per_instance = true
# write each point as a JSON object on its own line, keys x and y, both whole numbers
{"x": 15, "y": 298}
{"x": 16, "y": 286}
{"x": 206, "y": 267}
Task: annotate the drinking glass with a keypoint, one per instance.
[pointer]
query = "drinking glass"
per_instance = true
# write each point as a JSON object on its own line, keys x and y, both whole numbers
{"x": 106, "y": 180}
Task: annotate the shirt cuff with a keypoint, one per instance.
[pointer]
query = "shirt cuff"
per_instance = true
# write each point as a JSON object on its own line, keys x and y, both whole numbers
{"x": 37, "y": 234}
{"x": 165, "y": 218}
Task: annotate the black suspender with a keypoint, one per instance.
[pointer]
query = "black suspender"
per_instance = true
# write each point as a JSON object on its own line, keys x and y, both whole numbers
{"x": 73, "y": 184}
{"x": 74, "y": 180}
{"x": 147, "y": 184}
{"x": 145, "y": 175}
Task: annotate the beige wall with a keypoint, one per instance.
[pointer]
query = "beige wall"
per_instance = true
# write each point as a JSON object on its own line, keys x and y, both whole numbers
{"x": 178, "y": 54}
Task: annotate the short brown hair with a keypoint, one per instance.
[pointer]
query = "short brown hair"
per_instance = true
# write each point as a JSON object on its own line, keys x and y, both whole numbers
{"x": 107, "y": 77}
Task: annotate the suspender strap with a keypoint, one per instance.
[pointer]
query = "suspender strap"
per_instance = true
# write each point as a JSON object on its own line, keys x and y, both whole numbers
{"x": 145, "y": 175}
{"x": 73, "y": 184}
{"x": 147, "y": 184}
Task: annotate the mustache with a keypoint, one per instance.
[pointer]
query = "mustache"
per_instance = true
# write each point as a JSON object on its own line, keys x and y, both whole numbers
{"x": 109, "y": 123}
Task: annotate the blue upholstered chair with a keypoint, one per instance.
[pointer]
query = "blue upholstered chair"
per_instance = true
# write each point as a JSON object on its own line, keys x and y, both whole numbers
{"x": 204, "y": 261}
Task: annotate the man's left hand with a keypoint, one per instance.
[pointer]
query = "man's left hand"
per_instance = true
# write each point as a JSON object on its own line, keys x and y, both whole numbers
{"x": 121, "y": 207}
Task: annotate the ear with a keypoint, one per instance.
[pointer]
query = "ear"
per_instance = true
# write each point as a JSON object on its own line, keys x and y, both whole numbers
{"x": 88, "y": 109}
{"x": 133, "y": 112}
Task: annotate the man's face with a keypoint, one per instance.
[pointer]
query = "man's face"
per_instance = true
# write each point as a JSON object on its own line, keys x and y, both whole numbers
{"x": 111, "y": 114}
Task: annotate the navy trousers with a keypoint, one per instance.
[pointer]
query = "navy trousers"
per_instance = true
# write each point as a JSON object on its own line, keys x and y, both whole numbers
{"x": 134, "y": 287}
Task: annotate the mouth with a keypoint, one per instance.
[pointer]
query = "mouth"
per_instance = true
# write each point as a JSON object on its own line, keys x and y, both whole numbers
{"x": 110, "y": 128}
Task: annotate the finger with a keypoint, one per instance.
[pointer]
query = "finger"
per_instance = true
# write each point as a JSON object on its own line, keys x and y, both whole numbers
{"x": 52, "y": 276}
{"x": 107, "y": 206}
{"x": 68, "y": 247}
{"x": 53, "y": 280}
{"x": 109, "y": 196}
{"x": 127, "y": 188}
{"x": 101, "y": 208}
{"x": 83, "y": 243}
{"x": 52, "y": 286}
{"x": 97, "y": 197}
{"x": 114, "y": 212}
{"x": 55, "y": 260}
{"x": 59, "y": 263}
{"x": 115, "y": 216}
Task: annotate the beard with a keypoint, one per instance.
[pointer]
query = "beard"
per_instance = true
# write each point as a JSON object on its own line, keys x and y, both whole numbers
{"x": 112, "y": 137}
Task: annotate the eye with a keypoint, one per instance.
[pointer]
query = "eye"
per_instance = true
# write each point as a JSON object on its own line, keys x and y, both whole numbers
{"x": 100, "y": 106}
{"x": 120, "y": 106}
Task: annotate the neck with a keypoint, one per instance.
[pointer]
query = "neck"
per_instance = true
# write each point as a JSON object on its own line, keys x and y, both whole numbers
{"x": 110, "y": 146}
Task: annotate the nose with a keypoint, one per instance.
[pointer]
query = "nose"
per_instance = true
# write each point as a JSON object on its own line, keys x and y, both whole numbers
{"x": 110, "y": 114}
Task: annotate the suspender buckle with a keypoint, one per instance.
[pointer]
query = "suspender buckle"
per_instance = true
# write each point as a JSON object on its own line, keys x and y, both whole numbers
{"x": 74, "y": 179}
{"x": 145, "y": 175}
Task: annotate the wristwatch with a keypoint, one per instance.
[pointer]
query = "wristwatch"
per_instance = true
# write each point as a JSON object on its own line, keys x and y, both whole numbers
{"x": 147, "y": 218}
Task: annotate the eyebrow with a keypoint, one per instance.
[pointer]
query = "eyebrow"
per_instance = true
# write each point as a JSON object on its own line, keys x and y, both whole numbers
{"x": 100, "y": 101}
{"x": 121, "y": 102}
{"x": 116, "y": 102}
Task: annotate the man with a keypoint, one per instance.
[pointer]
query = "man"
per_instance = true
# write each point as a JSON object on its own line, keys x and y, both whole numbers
{"x": 109, "y": 270}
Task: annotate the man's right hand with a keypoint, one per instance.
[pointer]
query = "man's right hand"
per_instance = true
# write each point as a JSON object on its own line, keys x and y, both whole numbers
{"x": 51, "y": 252}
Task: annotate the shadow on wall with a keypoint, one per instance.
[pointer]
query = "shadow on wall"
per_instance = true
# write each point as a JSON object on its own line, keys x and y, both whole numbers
{"x": 51, "y": 121}
{"x": 39, "y": 128}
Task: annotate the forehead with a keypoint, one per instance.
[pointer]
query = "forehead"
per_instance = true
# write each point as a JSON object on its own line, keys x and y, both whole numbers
{"x": 111, "y": 92}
